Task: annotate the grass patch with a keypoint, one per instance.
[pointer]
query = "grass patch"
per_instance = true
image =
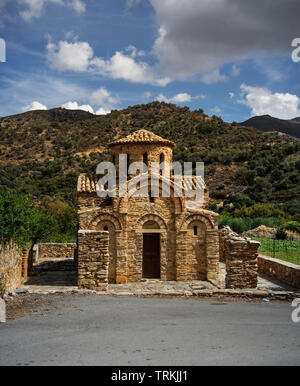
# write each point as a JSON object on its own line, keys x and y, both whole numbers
{"x": 287, "y": 250}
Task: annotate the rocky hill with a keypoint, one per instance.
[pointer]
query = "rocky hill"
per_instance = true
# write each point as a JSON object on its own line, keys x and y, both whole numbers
{"x": 42, "y": 152}
{"x": 267, "y": 123}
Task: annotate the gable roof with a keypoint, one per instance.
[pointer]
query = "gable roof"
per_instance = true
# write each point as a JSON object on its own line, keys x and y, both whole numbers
{"x": 142, "y": 136}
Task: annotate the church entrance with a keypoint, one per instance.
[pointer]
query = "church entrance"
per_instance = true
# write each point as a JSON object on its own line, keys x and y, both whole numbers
{"x": 151, "y": 255}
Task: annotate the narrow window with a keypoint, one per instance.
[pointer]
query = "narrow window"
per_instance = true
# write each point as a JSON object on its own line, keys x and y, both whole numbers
{"x": 105, "y": 228}
{"x": 195, "y": 230}
{"x": 151, "y": 198}
{"x": 114, "y": 159}
{"x": 128, "y": 163}
{"x": 161, "y": 160}
{"x": 145, "y": 159}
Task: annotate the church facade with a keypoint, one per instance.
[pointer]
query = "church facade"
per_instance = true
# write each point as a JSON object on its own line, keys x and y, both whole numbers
{"x": 133, "y": 238}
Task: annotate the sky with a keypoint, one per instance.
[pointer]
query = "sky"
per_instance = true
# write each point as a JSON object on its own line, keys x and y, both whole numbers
{"x": 231, "y": 58}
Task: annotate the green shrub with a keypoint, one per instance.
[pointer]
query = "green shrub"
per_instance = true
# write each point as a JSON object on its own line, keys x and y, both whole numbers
{"x": 260, "y": 210}
{"x": 293, "y": 226}
{"x": 281, "y": 234}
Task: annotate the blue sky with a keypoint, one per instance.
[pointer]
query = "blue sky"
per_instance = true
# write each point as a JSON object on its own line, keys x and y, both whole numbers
{"x": 231, "y": 58}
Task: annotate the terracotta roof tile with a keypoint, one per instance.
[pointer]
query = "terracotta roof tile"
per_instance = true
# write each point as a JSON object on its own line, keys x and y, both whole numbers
{"x": 142, "y": 136}
{"x": 87, "y": 183}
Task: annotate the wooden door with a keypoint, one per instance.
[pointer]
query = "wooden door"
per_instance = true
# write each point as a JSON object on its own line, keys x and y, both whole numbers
{"x": 151, "y": 255}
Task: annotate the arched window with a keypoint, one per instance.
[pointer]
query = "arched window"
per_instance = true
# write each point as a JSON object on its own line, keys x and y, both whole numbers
{"x": 161, "y": 160}
{"x": 151, "y": 198}
{"x": 145, "y": 159}
{"x": 128, "y": 162}
{"x": 105, "y": 228}
{"x": 195, "y": 230}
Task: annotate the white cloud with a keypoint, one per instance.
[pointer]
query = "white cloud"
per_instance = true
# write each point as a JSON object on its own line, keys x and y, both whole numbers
{"x": 262, "y": 101}
{"x": 35, "y": 8}
{"x": 76, "y": 106}
{"x": 66, "y": 56}
{"x": 35, "y": 105}
{"x": 103, "y": 97}
{"x": 102, "y": 111}
{"x": 78, "y": 5}
{"x": 79, "y": 56}
{"x": 121, "y": 66}
{"x": 213, "y": 77}
{"x": 216, "y": 110}
{"x": 198, "y": 37}
{"x": 231, "y": 95}
{"x": 178, "y": 98}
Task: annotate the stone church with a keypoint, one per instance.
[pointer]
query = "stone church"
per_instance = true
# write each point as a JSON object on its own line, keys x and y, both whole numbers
{"x": 132, "y": 238}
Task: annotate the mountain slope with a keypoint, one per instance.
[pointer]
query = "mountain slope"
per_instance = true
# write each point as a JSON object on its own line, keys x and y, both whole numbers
{"x": 42, "y": 152}
{"x": 267, "y": 123}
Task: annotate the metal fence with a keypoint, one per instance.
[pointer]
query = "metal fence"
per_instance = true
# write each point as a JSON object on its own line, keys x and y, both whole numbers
{"x": 287, "y": 250}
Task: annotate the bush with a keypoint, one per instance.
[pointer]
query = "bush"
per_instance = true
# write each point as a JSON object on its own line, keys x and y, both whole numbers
{"x": 281, "y": 234}
{"x": 293, "y": 226}
{"x": 243, "y": 224}
{"x": 260, "y": 210}
{"x": 238, "y": 225}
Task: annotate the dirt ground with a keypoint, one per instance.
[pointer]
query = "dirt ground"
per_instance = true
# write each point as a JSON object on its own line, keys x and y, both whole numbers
{"x": 22, "y": 305}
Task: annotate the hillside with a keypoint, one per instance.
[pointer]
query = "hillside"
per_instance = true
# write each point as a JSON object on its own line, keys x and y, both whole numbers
{"x": 267, "y": 123}
{"x": 42, "y": 152}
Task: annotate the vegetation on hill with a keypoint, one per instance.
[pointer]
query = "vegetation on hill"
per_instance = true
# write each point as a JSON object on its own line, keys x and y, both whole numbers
{"x": 267, "y": 123}
{"x": 42, "y": 153}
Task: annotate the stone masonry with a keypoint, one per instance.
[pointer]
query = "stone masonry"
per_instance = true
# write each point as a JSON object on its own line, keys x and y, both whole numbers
{"x": 93, "y": 259}
{"x": 241, "y": 257}
{"x": 46, "y": 251}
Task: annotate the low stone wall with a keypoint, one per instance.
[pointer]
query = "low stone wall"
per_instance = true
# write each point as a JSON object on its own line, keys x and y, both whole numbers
{"x": 285, "y": 272}
{"x": 13, "y": 268}
{"x": 240, "y": 255}
{"x": 48, "y": 251}
{"x": 93, "y": 259}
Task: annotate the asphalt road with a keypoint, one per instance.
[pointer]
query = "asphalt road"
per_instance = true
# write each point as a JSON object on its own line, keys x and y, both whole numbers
{"x": 95, "y": 330}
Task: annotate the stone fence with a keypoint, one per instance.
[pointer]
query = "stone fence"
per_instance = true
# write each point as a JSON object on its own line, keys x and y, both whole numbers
{"x": 240, "y": 255}
{"x": 92, "y": 270}
{"x": 13, "y": 267}
{"x": 283, "y": 271}
{"x": 49, "y": 251}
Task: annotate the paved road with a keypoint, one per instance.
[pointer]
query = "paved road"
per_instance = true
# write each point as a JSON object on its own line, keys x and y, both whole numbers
{"x": 94, "y": 330}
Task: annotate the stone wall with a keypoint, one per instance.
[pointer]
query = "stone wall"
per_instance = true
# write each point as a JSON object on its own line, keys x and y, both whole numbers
{"x": 241, "y": 256}
{"x": 13, "y": 267}
{"x": 49, "y": 251}
{"x": 285, "y": 272}
{"x": 93, "y": 259}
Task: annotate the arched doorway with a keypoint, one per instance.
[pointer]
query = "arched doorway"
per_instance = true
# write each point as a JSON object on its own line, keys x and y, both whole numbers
{"x": 151, "y": 250}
